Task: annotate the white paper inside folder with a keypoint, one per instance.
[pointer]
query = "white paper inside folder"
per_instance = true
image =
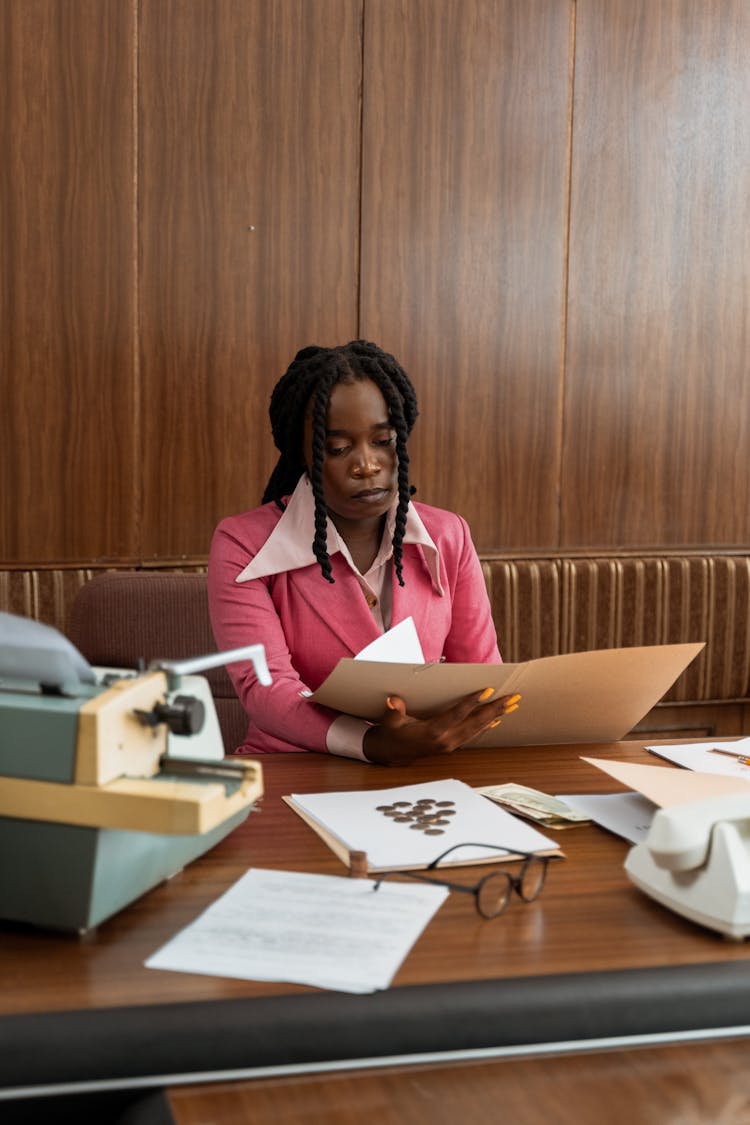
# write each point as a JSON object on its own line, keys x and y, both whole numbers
{"x": 399, "y": 645}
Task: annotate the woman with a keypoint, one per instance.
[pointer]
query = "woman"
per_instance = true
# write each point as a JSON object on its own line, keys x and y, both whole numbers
{"x": 310, "y": 574}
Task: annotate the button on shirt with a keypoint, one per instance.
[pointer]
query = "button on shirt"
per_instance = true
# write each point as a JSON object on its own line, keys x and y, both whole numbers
{"x": 289, "y": 547}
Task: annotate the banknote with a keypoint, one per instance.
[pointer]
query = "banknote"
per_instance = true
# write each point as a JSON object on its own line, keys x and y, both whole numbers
{"x": 540, "y": 807}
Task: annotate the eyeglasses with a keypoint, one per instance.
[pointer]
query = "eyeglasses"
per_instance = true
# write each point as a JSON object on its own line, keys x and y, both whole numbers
{"x": 492, "y": 893}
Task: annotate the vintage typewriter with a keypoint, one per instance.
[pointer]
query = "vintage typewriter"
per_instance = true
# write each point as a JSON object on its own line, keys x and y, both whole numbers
{"x": 110, "y": 780}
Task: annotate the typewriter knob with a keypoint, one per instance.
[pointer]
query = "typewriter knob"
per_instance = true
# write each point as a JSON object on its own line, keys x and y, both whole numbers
{"x": 184, "y": 715}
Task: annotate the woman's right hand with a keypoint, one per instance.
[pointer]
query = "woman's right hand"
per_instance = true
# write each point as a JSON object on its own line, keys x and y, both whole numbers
{"x": 400, "y": 738}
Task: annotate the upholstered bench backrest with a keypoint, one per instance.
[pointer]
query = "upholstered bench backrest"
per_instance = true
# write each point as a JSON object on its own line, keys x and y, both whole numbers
{"x": 122, "y": 617}
{"x": 541, "y": 605}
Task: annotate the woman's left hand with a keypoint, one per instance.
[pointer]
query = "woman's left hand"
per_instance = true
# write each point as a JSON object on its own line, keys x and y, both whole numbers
{"x": 400, "y": 738}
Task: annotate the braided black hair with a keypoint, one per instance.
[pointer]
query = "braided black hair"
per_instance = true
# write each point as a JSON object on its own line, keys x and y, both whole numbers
{"x": 310, "y": 378}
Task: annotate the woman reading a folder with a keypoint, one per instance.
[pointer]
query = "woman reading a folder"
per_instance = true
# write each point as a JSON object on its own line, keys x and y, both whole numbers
{"x": 337, "y": 554}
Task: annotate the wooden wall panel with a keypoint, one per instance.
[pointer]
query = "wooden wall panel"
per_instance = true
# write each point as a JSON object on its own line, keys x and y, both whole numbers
{"x": 180, "y": 211}
{"x": 249, "y": 206}
{"x": 466, "y": 106}
{"x": 657, "y": 400}
{"x": 66, "y": 282}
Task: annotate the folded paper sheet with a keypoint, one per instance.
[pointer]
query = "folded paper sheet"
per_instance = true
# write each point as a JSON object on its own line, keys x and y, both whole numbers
{"x": 626, "y": 814}
{"x": 666, "y": 786}
{"x": 577, "y": 697}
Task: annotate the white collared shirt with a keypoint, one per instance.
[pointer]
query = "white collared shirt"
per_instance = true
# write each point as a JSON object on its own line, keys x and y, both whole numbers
{"x": 289, "y": 547}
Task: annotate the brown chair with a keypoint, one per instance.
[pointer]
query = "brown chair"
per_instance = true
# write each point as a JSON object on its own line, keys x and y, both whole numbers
{"x": 122, "y": 617}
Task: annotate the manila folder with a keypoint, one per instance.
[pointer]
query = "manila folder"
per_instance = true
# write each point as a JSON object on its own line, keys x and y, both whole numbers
{"x": 596, "y": 696}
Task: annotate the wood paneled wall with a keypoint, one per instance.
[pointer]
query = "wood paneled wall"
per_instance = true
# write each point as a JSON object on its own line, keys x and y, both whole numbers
{"x": 249, "y": 226}
{"x": 69, "y": 395}
{"x": 541, "y": 206}
{"x": 464, "y": 228}
{"x": 657, "y": 386}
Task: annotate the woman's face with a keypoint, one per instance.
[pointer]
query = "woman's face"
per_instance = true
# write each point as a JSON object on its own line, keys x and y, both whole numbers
{"x": 360, "y": 463}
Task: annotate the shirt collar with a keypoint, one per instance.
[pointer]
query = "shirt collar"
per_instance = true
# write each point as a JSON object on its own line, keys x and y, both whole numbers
{"x": 289, "y": 546}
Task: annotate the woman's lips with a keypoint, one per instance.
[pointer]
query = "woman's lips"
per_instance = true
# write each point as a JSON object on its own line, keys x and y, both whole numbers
{"x": 372, "y": 495}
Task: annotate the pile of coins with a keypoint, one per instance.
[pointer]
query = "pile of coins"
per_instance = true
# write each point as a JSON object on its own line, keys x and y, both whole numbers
{"x": 426, "y": 815}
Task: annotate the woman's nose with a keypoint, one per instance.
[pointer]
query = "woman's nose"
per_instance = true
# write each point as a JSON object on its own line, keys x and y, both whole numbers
{"x": 365, "y": 464}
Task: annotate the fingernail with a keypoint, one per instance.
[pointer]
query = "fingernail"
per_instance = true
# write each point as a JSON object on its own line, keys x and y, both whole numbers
{"x": 496, "y": 723}
{"x": 514, "y": 699}
{"x": 390, "y": 704}
{"x": 486, "y": 694}
{"x": 508, "y": 710}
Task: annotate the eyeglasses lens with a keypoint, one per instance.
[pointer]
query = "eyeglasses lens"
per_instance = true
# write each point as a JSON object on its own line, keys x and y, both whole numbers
{"x": 532, "y": 879}
{"x": 493, "y": 894}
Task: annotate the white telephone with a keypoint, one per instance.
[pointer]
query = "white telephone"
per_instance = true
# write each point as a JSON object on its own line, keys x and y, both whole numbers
{"x": 696, "y": 861}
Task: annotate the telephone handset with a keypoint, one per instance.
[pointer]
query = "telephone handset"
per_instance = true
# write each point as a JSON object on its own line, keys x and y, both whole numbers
{"x": 696, "y": 861}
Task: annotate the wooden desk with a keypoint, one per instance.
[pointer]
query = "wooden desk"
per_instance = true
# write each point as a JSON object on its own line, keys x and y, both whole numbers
{"x": 592, "y": 961}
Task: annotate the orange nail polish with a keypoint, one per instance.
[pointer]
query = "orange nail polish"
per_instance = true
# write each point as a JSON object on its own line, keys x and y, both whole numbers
{"x": 514, "y": 699}
{"x": 508, "y": 710}
{"x": 486, "y": 694}
{"x": 496, "y": 723}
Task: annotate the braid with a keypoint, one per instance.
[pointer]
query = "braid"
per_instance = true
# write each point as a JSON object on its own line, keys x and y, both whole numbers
{"x": 320, "y": 405}
{"x": 401, "y": 401}
{"x": 310, "y": 378}
{"x": 287, "y": 413}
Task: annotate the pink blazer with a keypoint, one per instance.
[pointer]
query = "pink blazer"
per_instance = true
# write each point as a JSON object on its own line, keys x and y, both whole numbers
{"x": 308, "y": 624}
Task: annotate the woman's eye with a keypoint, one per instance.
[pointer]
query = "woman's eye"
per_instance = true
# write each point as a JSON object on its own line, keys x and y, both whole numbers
{"x": 337, "y": 450}
{"x": 386, "y": 441}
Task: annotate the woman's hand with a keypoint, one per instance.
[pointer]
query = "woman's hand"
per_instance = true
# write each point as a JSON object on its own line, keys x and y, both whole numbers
{"x": 399, "y": 738}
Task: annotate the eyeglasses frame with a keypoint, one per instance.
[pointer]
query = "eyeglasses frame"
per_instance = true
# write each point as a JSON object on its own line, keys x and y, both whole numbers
{"x": 515, "y": 881}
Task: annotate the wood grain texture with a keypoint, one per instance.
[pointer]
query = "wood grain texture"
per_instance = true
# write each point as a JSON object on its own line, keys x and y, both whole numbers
{"x": 622, "y": 928}
{"x": 463, "y": 245}
{"x": 542, "y": 207}
{"x": 67, "y": 479}
{"x": 249, "y": 197}
{"x": 696, "y": 1084}
{"x": 657, "y": 399}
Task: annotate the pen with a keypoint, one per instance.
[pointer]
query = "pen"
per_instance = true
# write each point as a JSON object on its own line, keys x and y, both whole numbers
{"x": 732, "y": 754}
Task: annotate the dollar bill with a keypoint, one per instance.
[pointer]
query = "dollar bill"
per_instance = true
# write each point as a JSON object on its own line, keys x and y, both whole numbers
{"x": 540, "y": 807}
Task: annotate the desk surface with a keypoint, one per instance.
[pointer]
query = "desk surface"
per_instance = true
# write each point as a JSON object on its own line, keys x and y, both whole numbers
{"x": 591, "y": 958}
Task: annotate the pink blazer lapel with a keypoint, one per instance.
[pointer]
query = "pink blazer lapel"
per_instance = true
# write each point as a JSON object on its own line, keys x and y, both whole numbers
{"x": 416, "y": 599}
{"x": 339, "y": 608}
